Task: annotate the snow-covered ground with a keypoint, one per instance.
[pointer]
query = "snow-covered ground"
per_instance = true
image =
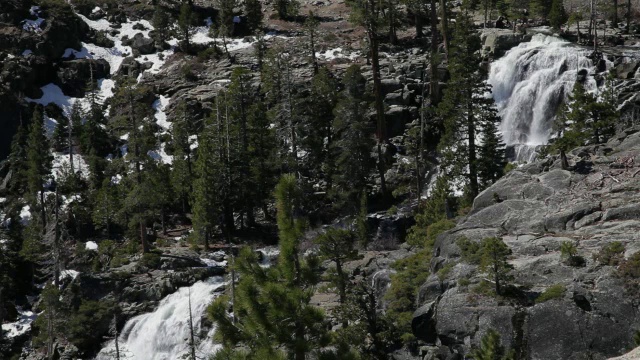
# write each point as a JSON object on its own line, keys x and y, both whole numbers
{"x": 337, "y": 53}
{"x": 61, "y": 164}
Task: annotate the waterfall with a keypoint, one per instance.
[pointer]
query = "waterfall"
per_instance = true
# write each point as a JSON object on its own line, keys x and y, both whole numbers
{"x": 163, "y": 334}
{"x": 529, "y": 84}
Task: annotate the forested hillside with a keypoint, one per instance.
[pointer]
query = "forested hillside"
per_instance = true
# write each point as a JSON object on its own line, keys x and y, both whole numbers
{"x": 330, "y": 179}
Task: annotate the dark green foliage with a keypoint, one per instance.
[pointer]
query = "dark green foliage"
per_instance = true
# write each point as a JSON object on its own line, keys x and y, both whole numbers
{"x": 225, "y": 17}
{"x": 150, "y": 261}
{"x": 494, "y": 262}
{"x": 353, "y": 143}
{"x": 585, "y": 119}
{"x": 338, "y": 246}
{"x": 490, "y": 348}
{"x": 162, "y": 24}
{"x": 557, "y": 14}
{"x": 629, "y": 272}
{"x": 569, "y": 253}
{"x": 553, "y": 292}
{"x": 18, "y": 162}
{"x": 253, "y": 13}
{"x": 491, "y": 161}
{"x": 185, "y": 25}
{"x": 471, "y": 251}
{"x": 50, "y": 324}
{"x": 611, "y": 254}
{"x": 287, "y": 9}
{"x": 183, "y": 173}
{"x": 38, "y": 163}
{"x": 433, "y": 211}
{"x": 86, "y": 325}
{"x": 273, "y": 318}
{"x": 467, "y": 112}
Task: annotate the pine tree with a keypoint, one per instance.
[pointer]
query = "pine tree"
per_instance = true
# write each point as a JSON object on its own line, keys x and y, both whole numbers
{"x": 494, "y": 261}
{"x": 262, "y": 147}
{"x": 38, "y": 162}
{"x": 463, "y": 108}
{"x": 204, "y": 201}
{"x": 161, "y": 24}
{"x": 490, "y": 348}
{"x": 369, "y": 14}
{"x": 225, "y": 17}
{"x": 60, "y": 137}
{"x": 353, "y": 143}
{"x": 273, "y": 317}
{"x": 437, "y": 207}
{"x": 185, "y": 25}
{"x": 182, "y": 173}
{"x": 311, "y": 28}
{"x": 18, "y": 162}
{"x": 557, "y": 14}
{"x": 253, "y": 13}
{"x": 316, "y": 131}
{"x": 491, "y": 154}
{"x": 287, "y": 9}
{"x": 338, "y": 246}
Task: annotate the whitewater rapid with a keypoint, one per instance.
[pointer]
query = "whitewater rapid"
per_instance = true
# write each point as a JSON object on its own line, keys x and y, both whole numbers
{"x": 529, "y": 83}
{"x": 164, "y": 333}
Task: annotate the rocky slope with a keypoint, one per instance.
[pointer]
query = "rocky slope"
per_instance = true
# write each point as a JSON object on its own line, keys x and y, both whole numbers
{"x": 534, "y": 209}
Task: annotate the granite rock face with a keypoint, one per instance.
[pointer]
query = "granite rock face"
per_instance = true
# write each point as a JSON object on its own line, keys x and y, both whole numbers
{"x": 534, "y": 209}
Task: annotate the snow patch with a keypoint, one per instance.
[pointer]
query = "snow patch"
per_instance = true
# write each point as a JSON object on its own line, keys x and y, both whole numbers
{"x": 61, "y": 163}
{"x": 337, "y": 53}
{"x": 21, "y": 326}
{"x": 69, "y": 274}
{"x": 25, "y": 215}
{"x": 91, "y": 245}
{"x": 161, "y": 117}
{"x": 27, "y": 52}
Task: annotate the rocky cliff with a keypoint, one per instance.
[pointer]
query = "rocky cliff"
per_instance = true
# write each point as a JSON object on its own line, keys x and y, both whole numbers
{"x": 535, "y": 209}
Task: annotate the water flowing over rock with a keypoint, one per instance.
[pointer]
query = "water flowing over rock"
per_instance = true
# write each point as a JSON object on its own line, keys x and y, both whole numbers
{"x": 163, "y": 334}
{"x": 528, "y": 85}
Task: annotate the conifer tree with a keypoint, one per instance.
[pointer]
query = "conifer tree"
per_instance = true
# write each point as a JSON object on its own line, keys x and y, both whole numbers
{"x": 311, "y": 27}
{"x": 274, "y": 317}
{"x": 464, "y": 108}
{"x": 18, "y": 162}
{"x": 353, "y": 143}
{"x": 490, "y": 348}
{"x": 204, "y": 201}
{"x": 557, "y": 14}
{"x": 182, "y": 174}
{"x": 161, "y": 24}
{"x": 185, "y": 25}
{"x": 253, "y": 13}
{"x": 338, "y": 246}
{"x": 225, "y": 17}
{"x": 494, "y": 261}
{"x": 287, "y": 9}
{"x": 38, "y": 162}
{"x": 491, "y": 154}
{"x": 316, "y": 131}
{"x": 262, "y": 147}
{"x": 369, "y": 14}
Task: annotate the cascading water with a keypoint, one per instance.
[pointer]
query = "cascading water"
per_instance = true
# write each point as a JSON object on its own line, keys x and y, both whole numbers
{"x": 163, "y": 334}
{"x": 528, "y": 85}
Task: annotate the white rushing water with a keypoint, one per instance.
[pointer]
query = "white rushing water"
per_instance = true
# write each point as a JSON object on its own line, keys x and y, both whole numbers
{"x": 164, "y": 333}
{"x": 528, "y": 85}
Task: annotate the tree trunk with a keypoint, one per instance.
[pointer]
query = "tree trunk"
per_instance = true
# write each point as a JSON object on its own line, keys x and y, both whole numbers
{"x": 381, "y": 123}
{"x": 115, "y": 338}
{"x": 143, "y": 237}
{"x": 433, "y": 81}
{"x": 43, "y": 213}
{"x": 614, "y": 17}
{"x": 393, "y": 37}
{"x": 314, "y": 60}
{"x": 192, "y": 338}
{"x": 418, "y": 24}
{"x": 445, "y": 26}
{"x": 628, "y": 30}
{"x": 471, "y": 132}
{"x": 56, "y": 244}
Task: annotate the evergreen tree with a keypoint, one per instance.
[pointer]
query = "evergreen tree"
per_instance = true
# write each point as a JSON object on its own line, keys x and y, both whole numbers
{"x": 18, "y": 162}
{"x": 273, "y": 317}
{"x": 204, "y": 201}
{"x": 490, "y": 348}
{"x": 185, "y": 25}
{"x": 225, "y": 17}
{"x": 436, "y": 208}
{"x": 262, "y": 147}
{"x": 491, "y": 154}
{"x": 338, "y": 246}
{"x": 161, "y": 23}
{"x": 494, "y": 261}
{"x": 38, "y": 162}
{"x": 353, "y": 143}
{"x": 311, "y": 28}
{"x": 60, "y": 137}
{"x": 50, "y": 324}
{"x": 253, "y": 13}
{"x": 182, "y": 172}
{"x": 464, "y": 108}
{"x": 557, "y": 14}
{"x": 316, "y": 130}
{"x": 287, "y": 9}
